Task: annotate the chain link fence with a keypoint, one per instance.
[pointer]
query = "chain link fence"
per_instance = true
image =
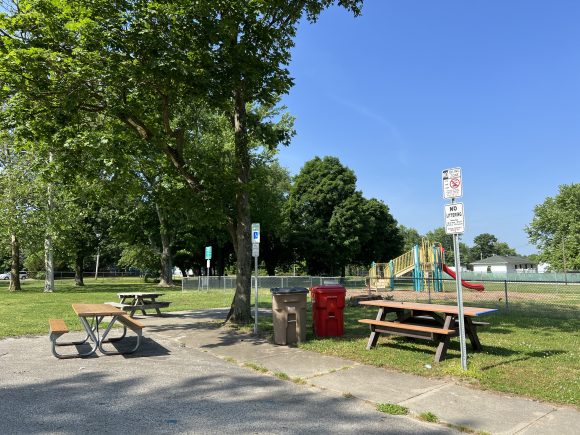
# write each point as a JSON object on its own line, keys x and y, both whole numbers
{"x": 267, "y": 282}
{"x": 508, "y": 295}
{"x": 67, "y": 274}
{"x": 555, "y": 297}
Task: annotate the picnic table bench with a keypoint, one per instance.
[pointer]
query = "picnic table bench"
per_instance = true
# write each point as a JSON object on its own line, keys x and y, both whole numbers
{"x": 140, "y": 301}
{"x": 424, "y": 321}
{"x": 91, "y": 317}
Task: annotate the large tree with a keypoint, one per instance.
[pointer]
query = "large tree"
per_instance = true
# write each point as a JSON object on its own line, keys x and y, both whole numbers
{"x": 332, "y": 225}
{"x": 555, "y": 228}
{"x": 485, "y": 245}
{"x": 384, "y": 239}
{"x": 322, "y": 186}
{"x": 147, "y": 65}
{"x": 20, "y": 196}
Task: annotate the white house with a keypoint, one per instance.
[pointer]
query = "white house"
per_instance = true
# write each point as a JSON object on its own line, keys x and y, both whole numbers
{"x": 505, "y": 264}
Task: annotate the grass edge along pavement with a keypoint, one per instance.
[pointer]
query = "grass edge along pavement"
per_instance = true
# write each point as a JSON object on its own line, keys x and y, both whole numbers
{"x": 527, "y": 355}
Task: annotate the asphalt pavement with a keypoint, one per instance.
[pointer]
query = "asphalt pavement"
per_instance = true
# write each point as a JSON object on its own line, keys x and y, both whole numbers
{"x": 193, "y": 376}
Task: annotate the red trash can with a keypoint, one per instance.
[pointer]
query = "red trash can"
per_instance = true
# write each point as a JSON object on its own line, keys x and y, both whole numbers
{"x": 327, "y": 310}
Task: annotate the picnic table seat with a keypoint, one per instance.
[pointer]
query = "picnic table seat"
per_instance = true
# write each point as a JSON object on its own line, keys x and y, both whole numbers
{"x": 56, "y": 329}
{"x": 130, "y": 308}
{"x": 134, "y": 325}
{"x": 407, "y": 328}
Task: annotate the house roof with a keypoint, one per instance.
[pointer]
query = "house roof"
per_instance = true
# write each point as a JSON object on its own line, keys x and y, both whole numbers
{"x": 501, "y": 259}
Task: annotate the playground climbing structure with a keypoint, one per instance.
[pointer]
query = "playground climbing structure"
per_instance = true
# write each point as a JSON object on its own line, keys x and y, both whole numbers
{"x": 425, "y": 264}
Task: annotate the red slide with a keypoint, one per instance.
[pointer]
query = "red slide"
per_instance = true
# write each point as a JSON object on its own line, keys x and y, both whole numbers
{"x": 466, "y": 284}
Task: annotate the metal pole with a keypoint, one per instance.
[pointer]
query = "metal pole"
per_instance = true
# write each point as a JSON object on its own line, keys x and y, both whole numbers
{"x": 97, "y": 265}
{"x": 460, "y": 302}
{"x": 207, "y": 274}
{"x": 564, "y": 260}
{"x": 256, "y": 291}
{"x": 506, "y": 295}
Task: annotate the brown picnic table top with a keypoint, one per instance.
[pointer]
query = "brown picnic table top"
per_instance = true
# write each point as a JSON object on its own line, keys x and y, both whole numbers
{"x": 96, "y": 310}
{"x": 434, "y": 308}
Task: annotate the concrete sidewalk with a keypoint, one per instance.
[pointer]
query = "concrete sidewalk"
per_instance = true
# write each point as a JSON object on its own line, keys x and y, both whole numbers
{"x": 452, "y": 403}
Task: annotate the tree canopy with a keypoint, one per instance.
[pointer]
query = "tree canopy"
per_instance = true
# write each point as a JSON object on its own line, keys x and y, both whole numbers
{"x": 151, "y": 68}
{"x": 332, "y": 225}
{"x": 555, "y": 229}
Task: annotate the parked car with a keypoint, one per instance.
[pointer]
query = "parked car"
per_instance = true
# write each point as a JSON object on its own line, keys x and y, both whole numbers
{"x": 23, "y": 275}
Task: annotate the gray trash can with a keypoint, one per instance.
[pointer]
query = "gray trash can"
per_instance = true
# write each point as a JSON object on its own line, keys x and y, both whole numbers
{"x": 289, "y": 314}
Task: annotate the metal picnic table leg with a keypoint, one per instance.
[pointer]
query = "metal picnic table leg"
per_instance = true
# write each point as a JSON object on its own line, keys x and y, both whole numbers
{"x": 374, "y": 337}
{"x": 106, "y": 332}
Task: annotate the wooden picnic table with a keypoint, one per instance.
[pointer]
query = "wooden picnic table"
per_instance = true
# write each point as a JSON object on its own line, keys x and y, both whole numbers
{"x": 425, "y": 321}
{"x": 140, "y": 301}
{"x": 91, "y": 316}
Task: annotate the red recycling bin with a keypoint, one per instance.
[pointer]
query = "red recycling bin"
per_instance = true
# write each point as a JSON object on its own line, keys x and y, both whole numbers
{"x": 327, "y": 310}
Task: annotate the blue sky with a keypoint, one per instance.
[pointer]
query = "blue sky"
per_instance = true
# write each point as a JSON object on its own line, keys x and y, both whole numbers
{"x": 414, "y": 87}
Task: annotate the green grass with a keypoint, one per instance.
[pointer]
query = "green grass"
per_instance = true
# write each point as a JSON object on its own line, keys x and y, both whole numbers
{"x": 530, "y": 355}
{"x": 28, "y": 311}
{"x": 391, "y": 408}
{"x": 256, "y": 367}
{"x": 429, "y": 417}
{"x": 533, "y": 353}
{"x": 283, "y": 376}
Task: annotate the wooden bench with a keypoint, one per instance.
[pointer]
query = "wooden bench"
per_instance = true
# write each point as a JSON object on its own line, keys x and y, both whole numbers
{"x": 140, "y": 307}
{"x": 57, "y": 328}
{"x": 128, "y": 322}
{"x": 401, "y": 328}
{"x": 133, "y": 324}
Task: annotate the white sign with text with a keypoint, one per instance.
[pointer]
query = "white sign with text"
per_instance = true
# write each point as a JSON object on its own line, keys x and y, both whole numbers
{"x": 452, "y": 183}
{"x": 454, "y": 218}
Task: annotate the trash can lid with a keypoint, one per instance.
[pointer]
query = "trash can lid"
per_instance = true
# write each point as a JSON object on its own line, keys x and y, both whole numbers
{"x": 284, "y": 290}
{"x": 328, "y": 289}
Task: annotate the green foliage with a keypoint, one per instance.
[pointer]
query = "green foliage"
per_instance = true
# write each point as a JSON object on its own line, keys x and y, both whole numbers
{"x": 332, "y": 225}
{"x": 383, "y": 238}
{"x": 410, "y": 236}
{"x": 429, "y": 417}
{"x": 141, "y": 256}
{"x": 446, "y": 240}
{"x": 283, "y": 376}
{"x": 393, "y": 409}
{"x": 257, "y": 367}
{"x": 555, "y": 228}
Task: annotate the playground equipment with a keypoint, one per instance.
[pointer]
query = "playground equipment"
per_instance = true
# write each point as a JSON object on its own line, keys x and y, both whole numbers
{"x": 425, "y": 263}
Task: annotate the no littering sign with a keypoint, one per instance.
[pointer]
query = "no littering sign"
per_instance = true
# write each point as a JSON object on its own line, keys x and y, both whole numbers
{"x": 454, "y": 218}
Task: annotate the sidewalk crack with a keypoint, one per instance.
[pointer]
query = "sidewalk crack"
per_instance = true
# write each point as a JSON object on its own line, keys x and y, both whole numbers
{"x": 535, "y": 421}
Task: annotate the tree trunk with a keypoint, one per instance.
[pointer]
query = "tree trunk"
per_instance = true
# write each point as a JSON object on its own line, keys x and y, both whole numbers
{"x": 48, "y": 251}
{"x": 48, "y": 265}
{"x": 15, "y": 267}
{"x": 166, "y": 279}
{"x": 241, "y": 311}
{"x": 79, "y": 263}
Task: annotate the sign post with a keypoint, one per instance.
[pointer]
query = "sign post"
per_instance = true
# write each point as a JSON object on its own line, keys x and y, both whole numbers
{"x": 208, "y": 264}
{"x": 455, "y": 224}
{"x": 256, "y": 254}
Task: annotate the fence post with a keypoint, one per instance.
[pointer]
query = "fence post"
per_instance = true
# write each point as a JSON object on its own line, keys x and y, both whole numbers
{"x": 506, "y": 295}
